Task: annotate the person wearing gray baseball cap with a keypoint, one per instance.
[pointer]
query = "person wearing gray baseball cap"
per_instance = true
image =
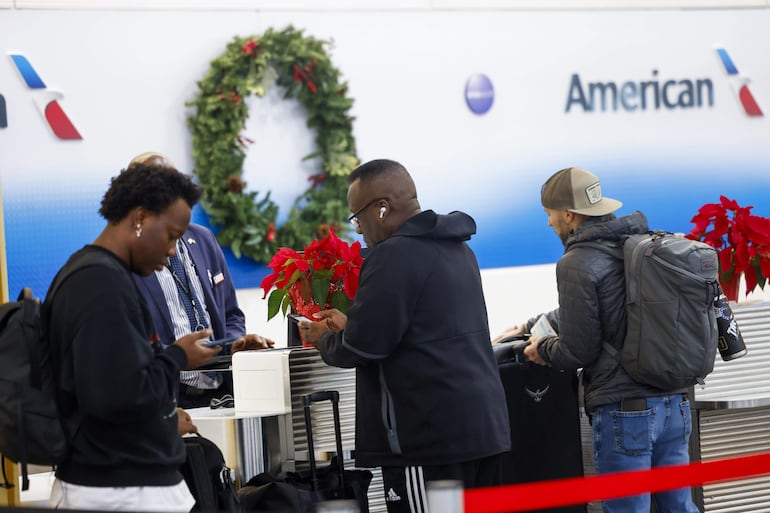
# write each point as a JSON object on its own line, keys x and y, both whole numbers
{"x": 635, "y": 426}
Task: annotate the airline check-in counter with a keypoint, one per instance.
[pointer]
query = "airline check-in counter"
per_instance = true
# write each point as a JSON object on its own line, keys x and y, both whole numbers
{"x": 732, "y": 415}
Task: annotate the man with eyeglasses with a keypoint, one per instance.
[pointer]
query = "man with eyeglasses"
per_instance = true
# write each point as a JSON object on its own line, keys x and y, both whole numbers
{"x": 429, "y": 402}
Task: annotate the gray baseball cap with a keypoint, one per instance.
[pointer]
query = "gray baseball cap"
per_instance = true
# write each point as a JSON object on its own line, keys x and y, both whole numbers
{"x": 576, "y": 190}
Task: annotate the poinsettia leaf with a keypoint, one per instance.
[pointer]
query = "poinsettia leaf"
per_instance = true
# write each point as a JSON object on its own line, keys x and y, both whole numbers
{"x": 736, "y": 238}
{"x": 722, "y": 225}
{"x": 339, "y": 300}
{"x": 725, "y": 259}
{"x": 741, "y": 255}
{"x": 283, "y": 256}
{"x": 333, "y": 237}
{"x": 714, "y": 240}
{"x": 759, "y": 273}
{"x": 288, "y": 276}
{"x": 285, "y": 305}
{"x": 711, "y": 210}
{"x": 274, "y": 302}
{"x": 701, "y": 223}
{"x": 750, "y": 276}
{"x": 356, "y": 250}
{"x": 730, "y": 286}
{"x": 758, "y": 229}
{"x": 351, "y": 284}
{"x": 322, "y": 273}
{"x": 267, "y": 283}
{"x": 764, "y": 266}
{"x": 728, "y": 203}
{"x": 320, "y": 288}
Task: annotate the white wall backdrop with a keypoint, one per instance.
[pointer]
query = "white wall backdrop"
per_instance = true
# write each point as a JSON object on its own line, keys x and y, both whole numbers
{"x": 125, "y": 76}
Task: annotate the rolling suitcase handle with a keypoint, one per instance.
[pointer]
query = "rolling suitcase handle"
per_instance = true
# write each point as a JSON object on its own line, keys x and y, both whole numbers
{"x": 511, "y": 350}
{"x": 307, "y": 400}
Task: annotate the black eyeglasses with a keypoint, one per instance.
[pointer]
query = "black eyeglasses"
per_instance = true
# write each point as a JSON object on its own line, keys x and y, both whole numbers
{"x": 354, "y": 218}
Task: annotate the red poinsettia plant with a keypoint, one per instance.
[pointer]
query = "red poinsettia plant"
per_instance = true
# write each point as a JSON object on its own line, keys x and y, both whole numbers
{"x": 323, "y": 276}
{"x": 741, "y": 239}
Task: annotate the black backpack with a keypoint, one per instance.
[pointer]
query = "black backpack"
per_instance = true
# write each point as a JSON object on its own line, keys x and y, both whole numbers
{"x": 208, "y": 477}
{"x": 31, "y": 429}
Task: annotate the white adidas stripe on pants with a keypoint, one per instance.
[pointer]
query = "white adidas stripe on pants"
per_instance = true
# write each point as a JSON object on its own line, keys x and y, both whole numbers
{"x": 415, "y": 489}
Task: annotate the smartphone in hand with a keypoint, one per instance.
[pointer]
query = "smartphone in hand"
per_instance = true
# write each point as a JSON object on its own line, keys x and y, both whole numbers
{"x": 220, "y": 342}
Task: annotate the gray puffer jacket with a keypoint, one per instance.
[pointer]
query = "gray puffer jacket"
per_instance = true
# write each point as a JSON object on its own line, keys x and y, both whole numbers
{"x": 592, "y": 310}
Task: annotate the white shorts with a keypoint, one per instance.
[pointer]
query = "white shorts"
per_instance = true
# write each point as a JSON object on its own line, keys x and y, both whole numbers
{"x": 175, "y": 498}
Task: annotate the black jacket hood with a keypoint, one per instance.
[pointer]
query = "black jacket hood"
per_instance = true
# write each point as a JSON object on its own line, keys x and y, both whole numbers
{"x": 609, "y": 228}
{"x": 427, "y": 224}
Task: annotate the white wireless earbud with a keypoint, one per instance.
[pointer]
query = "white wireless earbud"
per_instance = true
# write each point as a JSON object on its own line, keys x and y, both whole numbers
{"x": 382, "y": 212}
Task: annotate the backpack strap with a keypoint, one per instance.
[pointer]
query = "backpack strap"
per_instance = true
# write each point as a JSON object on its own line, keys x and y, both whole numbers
{"x": 610, "y": 249}
{"x": 30, "y": 314}
{"x": 617, "y": 253}
{"x": 89, "y": 259}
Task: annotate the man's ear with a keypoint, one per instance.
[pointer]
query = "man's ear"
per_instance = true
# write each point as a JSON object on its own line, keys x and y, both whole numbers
{"x": 573, "y": 220}
{"x": 570, "y": 218}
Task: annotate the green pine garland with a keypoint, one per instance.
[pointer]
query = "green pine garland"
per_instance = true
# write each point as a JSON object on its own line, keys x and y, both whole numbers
{"x": 246, "y": 221}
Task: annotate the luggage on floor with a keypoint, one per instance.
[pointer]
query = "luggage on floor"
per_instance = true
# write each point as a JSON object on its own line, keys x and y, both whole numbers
{"x": 544, "y": 414}
{"x": 299, "y": 492}
{"x": 208, "y": 477}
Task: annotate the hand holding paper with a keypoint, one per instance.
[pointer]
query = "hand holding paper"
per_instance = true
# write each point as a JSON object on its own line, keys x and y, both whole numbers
{"x": 542, "y": 328}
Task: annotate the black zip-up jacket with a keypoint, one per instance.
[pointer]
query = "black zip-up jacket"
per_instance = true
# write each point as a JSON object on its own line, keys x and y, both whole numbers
{"x": 428, "y": 390}
{"x": 115, "y": 389}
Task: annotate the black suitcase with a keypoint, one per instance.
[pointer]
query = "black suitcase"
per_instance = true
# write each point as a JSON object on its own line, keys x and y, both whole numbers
{"x": 299, "y": 492}
{"x": 544, "y": 414}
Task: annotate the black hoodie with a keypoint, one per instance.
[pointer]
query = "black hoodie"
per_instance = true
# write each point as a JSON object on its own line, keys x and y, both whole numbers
{"x": 428, "y": 390}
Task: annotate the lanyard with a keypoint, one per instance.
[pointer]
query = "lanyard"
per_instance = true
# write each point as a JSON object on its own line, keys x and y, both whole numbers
{"x": 186, "y": 287}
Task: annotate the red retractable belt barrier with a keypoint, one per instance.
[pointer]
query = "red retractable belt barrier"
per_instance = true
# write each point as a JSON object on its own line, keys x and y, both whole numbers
{"x": 563, "y": 492}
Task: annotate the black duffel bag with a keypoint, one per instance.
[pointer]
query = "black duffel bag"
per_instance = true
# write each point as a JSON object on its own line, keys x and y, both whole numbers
{"x": 294, "y": 492}
{"x": 299, "y": 492}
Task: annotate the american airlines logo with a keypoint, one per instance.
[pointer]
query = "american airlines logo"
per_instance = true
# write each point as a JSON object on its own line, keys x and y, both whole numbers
{"x": 740, "y": 84}
{"x": 656, "y": 92}
{"x": 46, "y": 100}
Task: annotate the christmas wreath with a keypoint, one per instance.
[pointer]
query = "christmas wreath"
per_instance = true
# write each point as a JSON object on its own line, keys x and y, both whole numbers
{"x": 246, "y": 221}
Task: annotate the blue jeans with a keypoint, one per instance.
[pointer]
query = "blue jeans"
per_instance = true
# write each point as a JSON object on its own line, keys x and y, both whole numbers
{"x": 635, "y": 440}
